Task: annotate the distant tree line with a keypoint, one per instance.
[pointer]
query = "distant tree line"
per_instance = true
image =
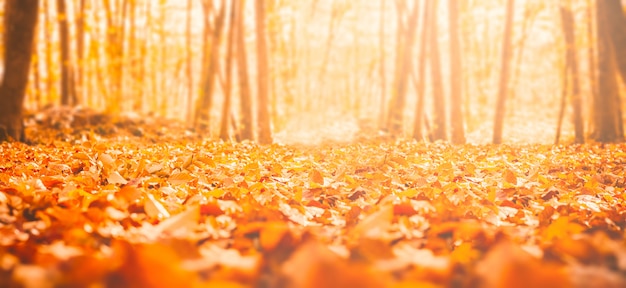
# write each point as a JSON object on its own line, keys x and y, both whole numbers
{"x": 225, "y": 35}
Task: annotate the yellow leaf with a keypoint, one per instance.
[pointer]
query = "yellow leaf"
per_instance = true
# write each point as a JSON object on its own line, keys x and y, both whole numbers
{"x": 509, "y": 177}
{"x": 316, "y": 177}
{"x": 116, "y": 178}
{"x": 154, "y": 208}
{"x": 180, "y": 178}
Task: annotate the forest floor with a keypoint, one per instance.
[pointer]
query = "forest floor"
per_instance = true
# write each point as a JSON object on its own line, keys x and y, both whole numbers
{"x": 131, "y": 201}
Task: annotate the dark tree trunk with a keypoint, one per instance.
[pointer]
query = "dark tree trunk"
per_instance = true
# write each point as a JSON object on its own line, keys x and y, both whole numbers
{"x": 67, "y": 95}
{"x": 20, "y": 21}
{"x": 80, "y": 52}
{"x": 606, "y": 106}
{"x": 504, "y": 74}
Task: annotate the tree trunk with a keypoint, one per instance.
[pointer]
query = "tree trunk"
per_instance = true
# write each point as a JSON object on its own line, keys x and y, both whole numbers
{"x": 265, "y": 133}
{"x": 20, "y": 18}
{"x": 504, "y": 74}
{"x": 606, "y": 106}
{"x": 419, "y": 109}
{"x": 567, "y": 21}
{"x": 396, "y": 109}
{"x": 189, "y": 62}
{"x": 67, "y": 95}
{"x": 439, "y": 100}
{"x": 205, "y": 103}
{"x": 224, "y": 135}
{"x": 616, "y": 25}
{"x": 247, "y": 132}
{"x": 80, "y": 52}
{"x": 456, "y": 75}
{"x": 382, "y": 73}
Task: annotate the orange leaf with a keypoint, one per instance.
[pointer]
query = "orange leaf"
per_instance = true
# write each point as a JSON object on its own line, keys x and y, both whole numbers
{"x": 316, "y": 177}
{"x": 509, "y": 177}
{"x": 274, "y": 233}
{"x": 180, "y": 178}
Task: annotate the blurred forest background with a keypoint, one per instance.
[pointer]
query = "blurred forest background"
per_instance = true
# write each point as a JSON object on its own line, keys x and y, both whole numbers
{"x": 301, "y": 71}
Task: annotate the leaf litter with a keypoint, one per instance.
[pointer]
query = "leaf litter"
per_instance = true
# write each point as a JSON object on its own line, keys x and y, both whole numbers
{"x": 186, "y": 212}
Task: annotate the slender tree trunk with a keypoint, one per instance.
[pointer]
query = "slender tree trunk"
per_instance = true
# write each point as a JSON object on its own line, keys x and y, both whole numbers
{"x": 51, "y": 71}
{"x": 20, "y": 21}
{"x": 404, "y": 60}
{"x": 80, "y": 52}
{"x": 456, "y": 75}
{"x": 67, "y": 97}
{"x": 504, "y": 73}
{"x": 439, "y": 101}
{"x": 382, "y": 73}
{"x": 564, "y": 92}
{"x": 421, "y": 88}
{"x": 247, "y": 132}
{"x": 203, "y": 109}
{"x": 265, "y": 132}
{"x": 36, "y": 85}
{"x": 591, "y": 57}
{"x": 134, "y": 62}
{"x": 189, "y": 63}
{"x": 607, "y": 112}
{"x": 224, "y": 135}
{"x": 616, "y": 25}
{"x": 567, "y": 22}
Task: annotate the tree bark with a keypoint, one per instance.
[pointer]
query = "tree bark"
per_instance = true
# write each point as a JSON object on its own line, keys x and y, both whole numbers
{"x": 265, "y": 133}
{"x": 567, "y": 21}
{"x": 247, "y": 132}
{"x": 189, "y": 62}
{"x": 381, "y": 71}
{"x": 205, "y": 103}
{"x": 456, "y": 75}
{"x": 20, "y": 21}
{"x": 79, "y": 74}
{"x": 396, "y": 109}
{"x": 224, "y": 135}
{"x": 421, "y": 84}
{"x": 504, "y": 74}
{"x": 616, "y": 27}
{"x": 67, "y": 95}
{"x": 606, "y": 106}
{"x": 439, "y": 98}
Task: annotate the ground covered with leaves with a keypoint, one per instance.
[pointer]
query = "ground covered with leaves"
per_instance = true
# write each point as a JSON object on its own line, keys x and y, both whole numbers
{"x": 126, "y": 206}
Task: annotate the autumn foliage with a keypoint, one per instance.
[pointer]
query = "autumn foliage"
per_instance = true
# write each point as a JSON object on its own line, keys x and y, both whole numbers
{"x": 169, "y": 209}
